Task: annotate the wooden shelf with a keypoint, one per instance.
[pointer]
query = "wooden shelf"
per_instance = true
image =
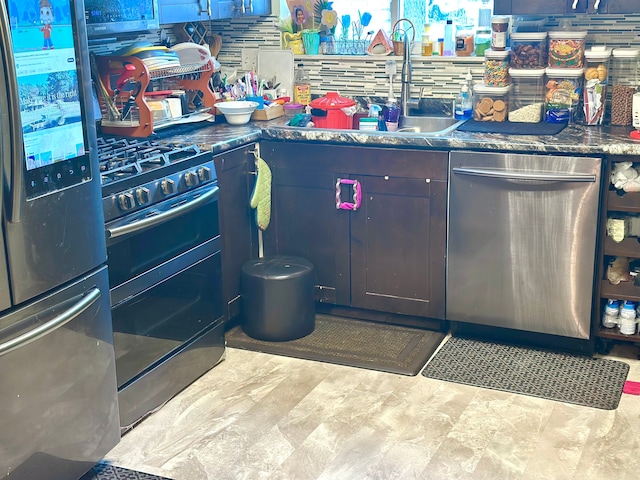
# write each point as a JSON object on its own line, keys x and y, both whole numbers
{"x": 629, "y": 202}
{"x": 614, "y": 334}
{"x": 629, "y": 247}
{"x": 622, "y": 291}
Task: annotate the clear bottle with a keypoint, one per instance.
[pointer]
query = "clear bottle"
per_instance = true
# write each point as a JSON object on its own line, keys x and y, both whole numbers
{"x": 301, "y": 86}
{"x": 463, "y": 105}
{"x": 449, "y": 42}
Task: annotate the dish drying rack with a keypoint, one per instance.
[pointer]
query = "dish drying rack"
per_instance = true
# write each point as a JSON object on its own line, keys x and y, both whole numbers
{"x": 124, "y": 93}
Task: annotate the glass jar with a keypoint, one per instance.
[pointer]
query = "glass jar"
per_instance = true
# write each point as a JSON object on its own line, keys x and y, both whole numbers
{"x": 465, "y": 38}
{"x": 624, "y": 80}
{"x": 528, "y": 50}
{"x": 490, "y": 104}
{"x": 527, "y": 95}
{"x": 563, "y": 94}
{"x": 596, "y": 80}
{"x": 499, "y": 27}
{"x": 496, "y": 68}
{"x": 566, "y": 49}
{"x": 483, "y": 41}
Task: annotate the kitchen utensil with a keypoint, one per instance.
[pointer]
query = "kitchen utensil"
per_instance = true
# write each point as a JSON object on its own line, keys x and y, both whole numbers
{"x": 112, "y": 110}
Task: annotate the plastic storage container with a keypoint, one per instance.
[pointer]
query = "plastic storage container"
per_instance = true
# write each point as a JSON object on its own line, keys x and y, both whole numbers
{"x": 465, "y": 40}
{"x": 490, "y": 104}
{"x": 596, "y": 80}
{"x": 326, "y": 112}
{"x": 496, "y": 68}
{"x": 563, "y": 94}
{"x": 566, "y": 49}
{"x": 624, "y": 81}
{"x": 528, "y": 50}
{"x": 526, "y": 104}
{"x": 483, "y": 41}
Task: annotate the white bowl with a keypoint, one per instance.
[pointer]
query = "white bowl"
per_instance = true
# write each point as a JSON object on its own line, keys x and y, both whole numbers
{"x": 237, "y": 112}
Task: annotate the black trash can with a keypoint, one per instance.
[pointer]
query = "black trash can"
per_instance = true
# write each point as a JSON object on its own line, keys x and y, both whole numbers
{"x": 277, "y": 298}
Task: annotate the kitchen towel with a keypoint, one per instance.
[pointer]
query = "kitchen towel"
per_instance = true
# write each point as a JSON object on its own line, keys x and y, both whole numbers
{"x": 512, "y": 128}
{"x": 261, "y": 196}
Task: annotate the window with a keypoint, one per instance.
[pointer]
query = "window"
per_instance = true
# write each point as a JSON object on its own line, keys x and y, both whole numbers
{"x": 384, "y": 13}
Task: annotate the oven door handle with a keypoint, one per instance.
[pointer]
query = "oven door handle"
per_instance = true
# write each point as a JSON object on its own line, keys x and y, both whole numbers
{"x": 162, "y": 217}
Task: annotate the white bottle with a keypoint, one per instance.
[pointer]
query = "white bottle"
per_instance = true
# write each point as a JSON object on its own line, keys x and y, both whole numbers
{"x": 611, "y": 315}
{"x": 628, "y": 319}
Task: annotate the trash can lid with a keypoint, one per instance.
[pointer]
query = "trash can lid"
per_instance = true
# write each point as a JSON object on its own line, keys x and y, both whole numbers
{"x": 278, "y": 267}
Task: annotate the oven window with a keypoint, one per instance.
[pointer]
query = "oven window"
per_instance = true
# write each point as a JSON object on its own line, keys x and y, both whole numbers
{"x": 139, "y": 252}
{"x": 159, "y": 320}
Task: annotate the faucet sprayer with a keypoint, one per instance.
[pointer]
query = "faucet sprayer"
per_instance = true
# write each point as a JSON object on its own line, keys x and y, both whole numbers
{"x": 405, "y": 92}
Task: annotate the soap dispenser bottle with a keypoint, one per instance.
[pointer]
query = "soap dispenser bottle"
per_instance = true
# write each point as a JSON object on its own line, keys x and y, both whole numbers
{"x": 462, "y": 105}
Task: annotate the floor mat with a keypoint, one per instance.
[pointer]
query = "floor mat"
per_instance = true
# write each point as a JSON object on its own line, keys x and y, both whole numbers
{"x": 356, "y": 343}
{"x": 592, "y": 382}
{"x": 104, "y": 471}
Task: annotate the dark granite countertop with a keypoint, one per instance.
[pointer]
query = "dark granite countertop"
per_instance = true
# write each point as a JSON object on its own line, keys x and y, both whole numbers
{"x": 574, "y": 139}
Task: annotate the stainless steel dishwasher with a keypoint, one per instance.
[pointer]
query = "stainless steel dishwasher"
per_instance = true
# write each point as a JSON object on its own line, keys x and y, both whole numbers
{"x": 521, "y": 241}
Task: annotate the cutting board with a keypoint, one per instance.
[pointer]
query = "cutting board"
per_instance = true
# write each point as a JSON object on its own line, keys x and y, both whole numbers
{"x": 279, "y": 64}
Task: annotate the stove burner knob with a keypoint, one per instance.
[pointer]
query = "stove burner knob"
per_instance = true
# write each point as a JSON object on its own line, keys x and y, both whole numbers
{"x": 168, "y": 186}
{"x": 126, "y": 201}
{"x": 191, "y": 179}
{"x": 204, "y": 174}
{"x": 142, "y": 195}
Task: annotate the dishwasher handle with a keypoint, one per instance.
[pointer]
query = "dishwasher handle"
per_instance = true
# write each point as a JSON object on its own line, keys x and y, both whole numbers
{"x": 540, "y": 177}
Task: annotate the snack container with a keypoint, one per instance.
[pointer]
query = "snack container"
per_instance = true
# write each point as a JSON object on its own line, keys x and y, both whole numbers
{"x": 526, "y": 103}
{"x": 624, "y": 81}
{"x": 596, "y": 80}
{"x": 490, "y": 104}
{"x": 566, "y": 49}
{"x": 496, "y": 68}
{"x": 528, "y": 50}
{"x": 563, "y": 92}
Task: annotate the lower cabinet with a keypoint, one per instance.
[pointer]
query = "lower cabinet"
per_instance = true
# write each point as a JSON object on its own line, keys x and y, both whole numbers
{"x": 234, "y": 170}
{"x": 371, "y": 220}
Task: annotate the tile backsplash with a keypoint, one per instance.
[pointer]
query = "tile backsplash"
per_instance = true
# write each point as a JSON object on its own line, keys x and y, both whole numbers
{"x": 365, "y": 75}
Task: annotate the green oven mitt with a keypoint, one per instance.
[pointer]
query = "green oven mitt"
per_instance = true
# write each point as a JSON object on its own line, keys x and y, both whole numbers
{"x": 261, "y": 196}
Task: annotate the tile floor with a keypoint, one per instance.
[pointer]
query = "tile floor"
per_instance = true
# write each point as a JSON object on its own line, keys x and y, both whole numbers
{"x": 259, "y": 416}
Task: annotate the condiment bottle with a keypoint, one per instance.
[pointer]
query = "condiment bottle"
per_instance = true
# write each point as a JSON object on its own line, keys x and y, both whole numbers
{"x": 499, "y": 27}
{"x": 427, "y": 44}
{"x": 301, "y": 86}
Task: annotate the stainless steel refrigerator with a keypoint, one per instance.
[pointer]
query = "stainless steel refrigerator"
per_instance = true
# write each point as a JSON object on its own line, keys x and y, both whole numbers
{"x": 58, "y": 397}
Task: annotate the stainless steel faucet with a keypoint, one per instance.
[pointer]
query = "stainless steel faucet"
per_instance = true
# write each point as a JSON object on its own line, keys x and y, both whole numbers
{"x": 405, "y": 91}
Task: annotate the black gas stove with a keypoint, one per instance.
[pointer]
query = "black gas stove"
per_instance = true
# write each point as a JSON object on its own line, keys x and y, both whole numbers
{"x": 137, "y": 173}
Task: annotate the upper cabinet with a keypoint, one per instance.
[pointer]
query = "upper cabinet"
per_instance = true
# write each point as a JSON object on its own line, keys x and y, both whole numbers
{"x": 554, "y": 7}
{"x": 242, "y": 8}
{"x": 180, "y": 11}
{"x": 544, "y": 7}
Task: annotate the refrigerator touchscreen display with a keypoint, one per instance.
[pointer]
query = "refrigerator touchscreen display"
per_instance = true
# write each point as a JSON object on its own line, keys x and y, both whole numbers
{"x": 45, "y": 59}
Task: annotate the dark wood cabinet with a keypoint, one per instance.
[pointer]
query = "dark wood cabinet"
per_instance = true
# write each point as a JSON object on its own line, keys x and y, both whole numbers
{"x": 238, "y": 233}
{"x": 554, "y": 7}
{"x": 388, "y": 255}
{"x": 615, "y": 204}
{"x": 545, "y": 7}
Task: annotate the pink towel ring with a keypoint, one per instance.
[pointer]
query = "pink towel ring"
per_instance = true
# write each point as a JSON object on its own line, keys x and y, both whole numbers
{"x": 357, "y": 194}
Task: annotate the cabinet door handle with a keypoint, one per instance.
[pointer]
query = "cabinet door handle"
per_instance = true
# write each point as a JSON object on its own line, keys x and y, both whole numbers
{"x": 596, "y": 5}
{"x": 575, "y": 4}
{"x": 206, "y": 10}
{"x": 357, "y": 194}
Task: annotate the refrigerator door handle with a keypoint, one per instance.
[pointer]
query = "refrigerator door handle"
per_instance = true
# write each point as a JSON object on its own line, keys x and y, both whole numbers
{"x": 162, "y": 217}
{"x": 541, "y": 177}
{"x": 15, "y": 131}
{"x": 58, "y": 321}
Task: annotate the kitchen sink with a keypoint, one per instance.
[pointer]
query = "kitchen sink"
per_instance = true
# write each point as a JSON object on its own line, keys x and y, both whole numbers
{"x": 428, "y": 125}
